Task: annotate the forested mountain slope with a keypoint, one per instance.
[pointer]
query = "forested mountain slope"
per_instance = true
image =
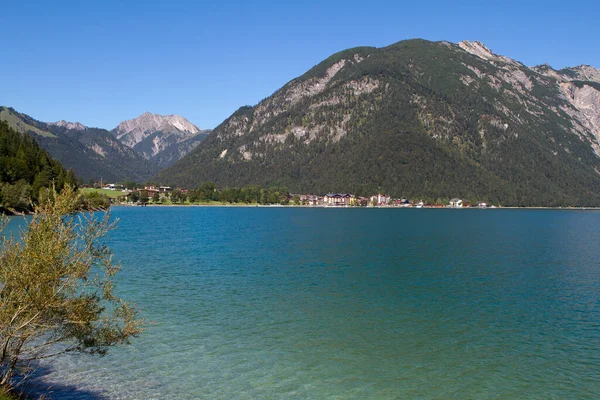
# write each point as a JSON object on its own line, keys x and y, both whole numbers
{"x": 25, "y": 168}
{"x": 416, "y": 119}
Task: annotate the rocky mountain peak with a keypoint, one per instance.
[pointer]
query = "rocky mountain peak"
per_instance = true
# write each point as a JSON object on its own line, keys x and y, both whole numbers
{"x": 570, "y": 74}
{"x": 482, "y": 51}
{"x": 69, "y": 125}
{"x": 477, "y": 48}
{"x": 587, "y": 73}
{"x": 133, "y": 131}
{"x": 161, "y": 138}
{"x": 148, "y": 122}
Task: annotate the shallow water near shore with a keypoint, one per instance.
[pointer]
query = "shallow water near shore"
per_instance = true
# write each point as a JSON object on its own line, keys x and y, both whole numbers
{"x": 350, "y": 304}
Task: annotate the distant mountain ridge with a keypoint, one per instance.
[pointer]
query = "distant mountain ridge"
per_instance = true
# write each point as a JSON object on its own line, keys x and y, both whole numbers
{"x": 416, "y": 119}
{"x": 135, "y": 130}
{"x": 579, "y": 73}
{"x": 161, "y": 138}
{"x": 78, "y": 126}
{"x": 150, "y": 142}
{"x": 93, "y": 153}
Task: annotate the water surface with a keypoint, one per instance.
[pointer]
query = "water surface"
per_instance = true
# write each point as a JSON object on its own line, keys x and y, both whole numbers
{"x": 351, "y": 304}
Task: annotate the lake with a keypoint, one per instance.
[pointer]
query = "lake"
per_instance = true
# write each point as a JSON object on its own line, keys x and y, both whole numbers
{"x": 284, "y": 303}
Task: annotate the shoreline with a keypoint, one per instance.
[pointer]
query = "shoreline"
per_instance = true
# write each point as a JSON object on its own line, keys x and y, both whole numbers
{"x": 360, "y": 208}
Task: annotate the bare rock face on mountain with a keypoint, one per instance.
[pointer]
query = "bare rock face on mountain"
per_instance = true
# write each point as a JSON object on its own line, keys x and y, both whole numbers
{"x": 134, "y": 131}
{"x": 579, "y": 73}
{"x": 580, "y": 87}
{"x": 416, "y": 119}
{"x": 164, "y": 139}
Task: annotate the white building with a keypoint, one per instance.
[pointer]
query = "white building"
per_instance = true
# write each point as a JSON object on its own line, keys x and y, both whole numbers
{"x": 381, "y": 199}
{"x": 456, "y": 203}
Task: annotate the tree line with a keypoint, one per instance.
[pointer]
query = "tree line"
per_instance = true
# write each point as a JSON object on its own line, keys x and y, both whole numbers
{"x": 207, "y": 192}
{"x": 25, "y": 170}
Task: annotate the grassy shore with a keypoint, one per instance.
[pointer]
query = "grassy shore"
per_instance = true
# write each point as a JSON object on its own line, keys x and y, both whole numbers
{"x": 109, "y": 193}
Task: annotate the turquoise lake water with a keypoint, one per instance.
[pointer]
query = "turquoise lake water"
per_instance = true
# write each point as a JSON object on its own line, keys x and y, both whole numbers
{"x": 296, "y": 303}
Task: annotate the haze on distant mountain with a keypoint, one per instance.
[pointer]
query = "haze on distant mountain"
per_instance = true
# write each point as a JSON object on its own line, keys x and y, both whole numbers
{"x": 416, "y": 119}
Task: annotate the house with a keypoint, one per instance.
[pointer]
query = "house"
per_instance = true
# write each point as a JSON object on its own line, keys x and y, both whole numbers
{"x": 338, "y": 199}
{"x": 380, "y": 199}
{"x": 165, "y": 189}
{"x": 456, "y": 203}
{"x": 405, "y": 203}
{"x": 112, "y": 186}
{"x": 126, "y": 195}
{"x": 362, "y": 201}
{"x": 401, "y": 203}
{"x": 149, "y": 192}
{"x": 482, "y": 205}
{"x": 310, "y": 199}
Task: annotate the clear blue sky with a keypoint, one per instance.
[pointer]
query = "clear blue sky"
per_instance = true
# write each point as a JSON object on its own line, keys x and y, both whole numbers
{"x": 101, "y": 62}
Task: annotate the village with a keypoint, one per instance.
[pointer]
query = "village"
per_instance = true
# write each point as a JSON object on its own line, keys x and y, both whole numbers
{"x": 165, "y": 195}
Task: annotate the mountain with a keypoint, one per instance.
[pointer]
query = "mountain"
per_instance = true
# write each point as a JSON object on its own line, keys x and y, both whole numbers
{"x": 580, "y": 86}
{"x": 78, "y": 126}
{"x": 418, "y": 119}
{"x": 93, "y": 153}
{"x": 136, "y": 149}
{"x": 163, "y": 139}
{"x": 25, "y": 168}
